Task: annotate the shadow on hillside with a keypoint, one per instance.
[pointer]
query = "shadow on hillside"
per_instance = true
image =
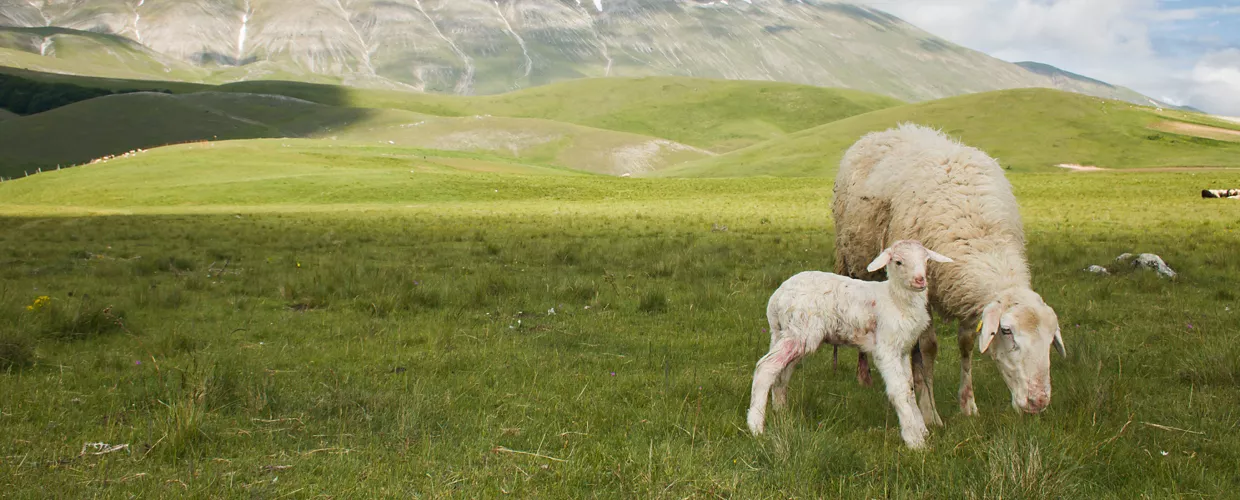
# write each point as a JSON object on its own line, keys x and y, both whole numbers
{"x": 106, "y": 83}
{"x": 92, "y": 129}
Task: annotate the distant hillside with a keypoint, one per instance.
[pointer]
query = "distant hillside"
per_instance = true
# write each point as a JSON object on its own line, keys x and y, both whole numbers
{"x": 1027, "y": 130}
{"x": 116, "y": 124}
{"x": 476, "y": 47}
{"x": 687, "y": 115}
{"x": 84, "y": 50}
{"x": 719, "y": 115}
{"x": 1072, "y": 82}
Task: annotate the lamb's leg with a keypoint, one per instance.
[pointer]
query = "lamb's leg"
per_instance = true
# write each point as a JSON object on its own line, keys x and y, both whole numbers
{"x": 779, "y": 394}
{"x": 924, "y": 354}
{"x": 897, "y": 373}
{"x": 863, "y": 370}
{"x": 784, "y": 352}
{"x": 965, "y": 337}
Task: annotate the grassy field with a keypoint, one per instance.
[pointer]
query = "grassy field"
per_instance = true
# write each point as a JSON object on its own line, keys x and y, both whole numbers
{"x": 258, "y": 322}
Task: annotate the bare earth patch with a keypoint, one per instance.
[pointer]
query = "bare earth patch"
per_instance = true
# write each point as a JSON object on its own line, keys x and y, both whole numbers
{"x": 1080, "y": 168}
{"x": 1195, "y": 130}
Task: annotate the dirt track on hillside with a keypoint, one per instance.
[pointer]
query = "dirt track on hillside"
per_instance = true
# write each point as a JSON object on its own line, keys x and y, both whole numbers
{"x": 1195, "y": 130}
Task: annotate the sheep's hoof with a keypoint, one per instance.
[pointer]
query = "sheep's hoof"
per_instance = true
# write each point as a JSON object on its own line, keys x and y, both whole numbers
{"x": 915, "y": 439}
{"x": 932, "y": 419}
{"x": 968, "y": 407}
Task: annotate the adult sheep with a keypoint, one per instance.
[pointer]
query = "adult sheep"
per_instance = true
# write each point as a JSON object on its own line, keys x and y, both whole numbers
{"x": 912, "y": 182}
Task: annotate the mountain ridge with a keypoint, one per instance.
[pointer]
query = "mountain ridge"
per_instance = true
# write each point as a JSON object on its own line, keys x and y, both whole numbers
{"x": 493, "y": 46}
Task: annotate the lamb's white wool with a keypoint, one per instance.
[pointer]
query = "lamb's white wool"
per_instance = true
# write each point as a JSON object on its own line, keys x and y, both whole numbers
{"x": 913, "y": 182}
{"x": 884, "y": 319}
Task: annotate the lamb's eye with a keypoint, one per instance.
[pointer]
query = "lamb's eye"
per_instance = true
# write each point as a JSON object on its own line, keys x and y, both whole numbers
{"x": 1005, "y": 331}
{"x": 899, "y": 263}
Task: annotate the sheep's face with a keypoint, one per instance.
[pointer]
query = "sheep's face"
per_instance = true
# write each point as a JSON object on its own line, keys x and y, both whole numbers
{"x": 1019, "y": 330}
{"x": 905, "y": 261}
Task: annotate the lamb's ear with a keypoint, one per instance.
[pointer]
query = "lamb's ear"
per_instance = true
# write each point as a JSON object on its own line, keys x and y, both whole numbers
{"x": 1057, "y": 341}
{"x": 880, "y": 261}
{"x": 938, "y": 257}
{"x": 989, "y": 325}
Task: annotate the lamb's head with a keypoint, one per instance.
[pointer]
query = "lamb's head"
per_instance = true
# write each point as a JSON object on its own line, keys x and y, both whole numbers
{"x": 1019, "y": 329}
{"x": 905, "y": 261}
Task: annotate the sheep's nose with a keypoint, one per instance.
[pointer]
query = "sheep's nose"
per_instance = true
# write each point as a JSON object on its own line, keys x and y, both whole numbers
{"x": 1037, "y": 404}
{"x": 919, "y": 281}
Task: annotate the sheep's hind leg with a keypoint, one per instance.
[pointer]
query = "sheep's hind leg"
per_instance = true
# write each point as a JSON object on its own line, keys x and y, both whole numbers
{"x": 785, "y": 352}
{"x": 897, "y": 374}
{"x": 924, "y": 354}
{"x": 863, "y": 370}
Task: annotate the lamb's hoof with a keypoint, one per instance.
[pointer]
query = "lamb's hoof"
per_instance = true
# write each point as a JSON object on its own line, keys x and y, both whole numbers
{"x": 755, "y": 422}
{"x": 932, "y": 420}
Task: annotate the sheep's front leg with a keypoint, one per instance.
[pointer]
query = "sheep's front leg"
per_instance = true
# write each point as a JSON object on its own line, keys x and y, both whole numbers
{"x": 965, "y": 337}
{"x": 924, "y": 354}
{"x": 783, "y": 353}
{"x": 897, "y": 373}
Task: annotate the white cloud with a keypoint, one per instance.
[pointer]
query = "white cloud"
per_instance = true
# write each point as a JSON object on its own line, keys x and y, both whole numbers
{"x": 1216, "y": 80}
{"x": 1125, "y": 42}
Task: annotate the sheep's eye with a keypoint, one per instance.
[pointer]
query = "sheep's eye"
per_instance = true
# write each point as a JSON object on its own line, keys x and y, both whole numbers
{"x": 1005, "y": 331}
{"x": 899, "y": 263}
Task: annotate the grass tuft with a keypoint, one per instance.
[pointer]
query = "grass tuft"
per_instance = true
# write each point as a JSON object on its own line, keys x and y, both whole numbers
{"x": 16, "y": 351}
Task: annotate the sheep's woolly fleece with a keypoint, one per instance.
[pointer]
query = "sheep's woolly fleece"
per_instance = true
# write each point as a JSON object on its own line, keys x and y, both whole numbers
{"x": 916, "y": 183}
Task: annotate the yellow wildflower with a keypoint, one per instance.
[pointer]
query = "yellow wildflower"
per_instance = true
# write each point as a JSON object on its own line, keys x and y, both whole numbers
{"x": 39, "y": 302}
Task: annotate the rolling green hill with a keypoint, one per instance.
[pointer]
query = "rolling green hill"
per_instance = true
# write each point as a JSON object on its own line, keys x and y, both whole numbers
{"x": 603, "y": 125}
{"x": 99, "y": 127}
{"x": 665, "y": 126}
{"x": 6, "y": 114}
{"x": 719, "y": 115}
{"x": 1026, "y": 130}
{"x": 114, "y": 124}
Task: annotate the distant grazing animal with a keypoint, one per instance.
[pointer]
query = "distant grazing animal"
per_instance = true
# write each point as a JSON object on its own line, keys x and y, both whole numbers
{"x": 1220, "y": 193}
{"x": 884, "y": 319}
{"x": 913, "y": 182}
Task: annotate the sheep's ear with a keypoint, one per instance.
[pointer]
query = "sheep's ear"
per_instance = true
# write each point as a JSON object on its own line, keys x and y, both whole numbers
{"x": 880, "y": 261}
{"x": 989, "y": 325}
{"x": 1058, "y": 343}
{"x": 938, "y": 257}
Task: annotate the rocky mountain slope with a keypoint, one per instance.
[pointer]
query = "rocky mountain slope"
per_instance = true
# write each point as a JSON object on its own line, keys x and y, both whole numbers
{"x": 492, "y": 46}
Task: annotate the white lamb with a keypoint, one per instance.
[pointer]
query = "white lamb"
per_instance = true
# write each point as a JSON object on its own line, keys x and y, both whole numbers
{"x": 880, "y": 318}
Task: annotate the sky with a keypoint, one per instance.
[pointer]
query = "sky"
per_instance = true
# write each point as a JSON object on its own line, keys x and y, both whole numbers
{"x": 1184, "y": 52}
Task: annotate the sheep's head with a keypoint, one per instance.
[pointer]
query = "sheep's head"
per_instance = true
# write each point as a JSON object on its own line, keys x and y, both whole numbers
{"x": 1019, "y": 330}
{"x": 905, "y": 261}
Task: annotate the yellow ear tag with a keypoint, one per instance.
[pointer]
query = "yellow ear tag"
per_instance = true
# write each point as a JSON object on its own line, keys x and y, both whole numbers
{"x": 979, "y": 326}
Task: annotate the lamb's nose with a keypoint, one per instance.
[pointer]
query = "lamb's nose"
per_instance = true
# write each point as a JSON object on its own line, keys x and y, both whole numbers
{"x": 919, "y": 281}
